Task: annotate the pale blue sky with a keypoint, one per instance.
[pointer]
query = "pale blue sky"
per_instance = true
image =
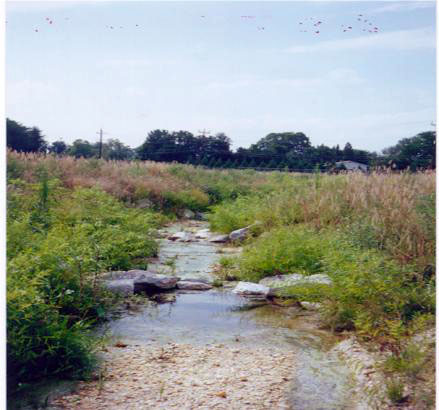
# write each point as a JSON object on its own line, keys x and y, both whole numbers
{"x": 223, "y": 72}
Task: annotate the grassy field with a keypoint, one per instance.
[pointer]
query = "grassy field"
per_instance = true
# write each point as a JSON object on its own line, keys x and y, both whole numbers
{"x": 69, "y": 220}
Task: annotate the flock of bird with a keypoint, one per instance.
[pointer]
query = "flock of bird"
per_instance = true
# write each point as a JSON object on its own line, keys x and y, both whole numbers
{"x": 308, "y": 25}
{"x": 362, "y": 24}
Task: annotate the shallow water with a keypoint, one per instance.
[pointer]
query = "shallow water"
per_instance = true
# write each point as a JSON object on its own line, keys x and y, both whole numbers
{"x": 320, "y": 379}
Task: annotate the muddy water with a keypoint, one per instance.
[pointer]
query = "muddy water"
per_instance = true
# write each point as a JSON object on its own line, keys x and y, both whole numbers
{"x": 320, "y": 380}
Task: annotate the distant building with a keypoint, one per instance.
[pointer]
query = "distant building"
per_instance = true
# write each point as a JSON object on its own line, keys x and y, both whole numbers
{"x": 352, "y": 166}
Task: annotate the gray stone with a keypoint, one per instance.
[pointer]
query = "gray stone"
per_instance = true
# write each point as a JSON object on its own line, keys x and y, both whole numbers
{"x": 281, "y": 281}
{"x": 144, "y": 203}
{"x": 115, "y": 275}
{"x": 239, "y": 234}
{"x": 188, "y": 214}
{"x": 123, "y": 287}
{"x": 219, "y": 239}
{"x": 202, "y": 234}
{"x": 310, "y": 305}
{"x": 181, "y": 237}
{"x": 200, "y": 216}
{"x": 202, "y": 280}
{"x": 192, "y": 285}
{"x": 154, "y": 283}
{"x": 251, "y": 289}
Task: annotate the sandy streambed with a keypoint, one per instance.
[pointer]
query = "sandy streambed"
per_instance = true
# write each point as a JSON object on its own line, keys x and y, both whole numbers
{"x": 188, "y": 377}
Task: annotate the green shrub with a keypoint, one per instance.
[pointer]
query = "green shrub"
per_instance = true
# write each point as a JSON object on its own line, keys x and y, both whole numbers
{"x": 395, "y": 391}
{"x": 409, "y": 362}
{"x": 282, "y": 251}
{"x": 53, "y": 292}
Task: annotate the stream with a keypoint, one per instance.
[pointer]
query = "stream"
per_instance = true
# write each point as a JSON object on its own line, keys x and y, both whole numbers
{"x": 320, "y": 380}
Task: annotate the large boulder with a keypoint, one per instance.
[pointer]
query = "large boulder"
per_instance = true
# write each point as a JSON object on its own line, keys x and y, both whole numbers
{"x": 193, "y": 285}
{"x": 219, "y": 239}
{"x": 250, "y": 289}
{"x": 154, "y": 283}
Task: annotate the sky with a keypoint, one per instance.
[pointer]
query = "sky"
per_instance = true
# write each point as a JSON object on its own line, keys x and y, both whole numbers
{"x": 242, "y": 68}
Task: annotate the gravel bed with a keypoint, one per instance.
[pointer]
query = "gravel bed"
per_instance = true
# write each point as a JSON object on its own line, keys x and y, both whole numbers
{"x": 187, "y": 377}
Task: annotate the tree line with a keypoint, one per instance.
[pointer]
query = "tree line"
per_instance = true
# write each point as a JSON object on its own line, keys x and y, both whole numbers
{"x": 286, "y": 150}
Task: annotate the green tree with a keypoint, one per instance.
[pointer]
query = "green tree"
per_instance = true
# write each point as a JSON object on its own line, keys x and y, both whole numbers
{"x": 115, "y": 150}
{"x": 22, "y": 139}
{"x": 228, "y": 164}
{"x": 159, "y": 145}
{"x": 280, "y": 144}
{"x": 243, "y": 164}
{"x": 418, "y": 152}
{"x": 252, "y": 164}
{"x": 82, "y": 148}
{"x": 272, "y": 164}
{"x": 348, "y": 152}
{"x": 58, "y": 147}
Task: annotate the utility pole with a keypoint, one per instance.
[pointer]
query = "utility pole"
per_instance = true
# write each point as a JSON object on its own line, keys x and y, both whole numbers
{"x": 100, "y": 132}
{"x": 204, "y": 132}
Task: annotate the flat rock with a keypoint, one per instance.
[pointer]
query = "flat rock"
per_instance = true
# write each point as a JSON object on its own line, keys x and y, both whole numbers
{"x": 280, "y": 281}
{"x": 310, "y": 305}
{"x": 121, "y": 274}
{"x": 181, "y": 237}
{"x": 219, "y": 239}
{"x": 203, "y": 234}
{"x": 192, "y": 285}
{"x": 123, "y": 287}
{"x": 251, "y": 289}
{"x": 154, "y": 283}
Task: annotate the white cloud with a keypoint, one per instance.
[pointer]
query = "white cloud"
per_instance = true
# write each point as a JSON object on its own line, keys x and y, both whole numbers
{"x": 396, "y": 40}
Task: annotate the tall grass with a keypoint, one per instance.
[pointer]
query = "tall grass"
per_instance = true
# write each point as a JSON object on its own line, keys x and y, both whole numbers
{"x": 393, "y": 212}
{"x": 168, "y": 186}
